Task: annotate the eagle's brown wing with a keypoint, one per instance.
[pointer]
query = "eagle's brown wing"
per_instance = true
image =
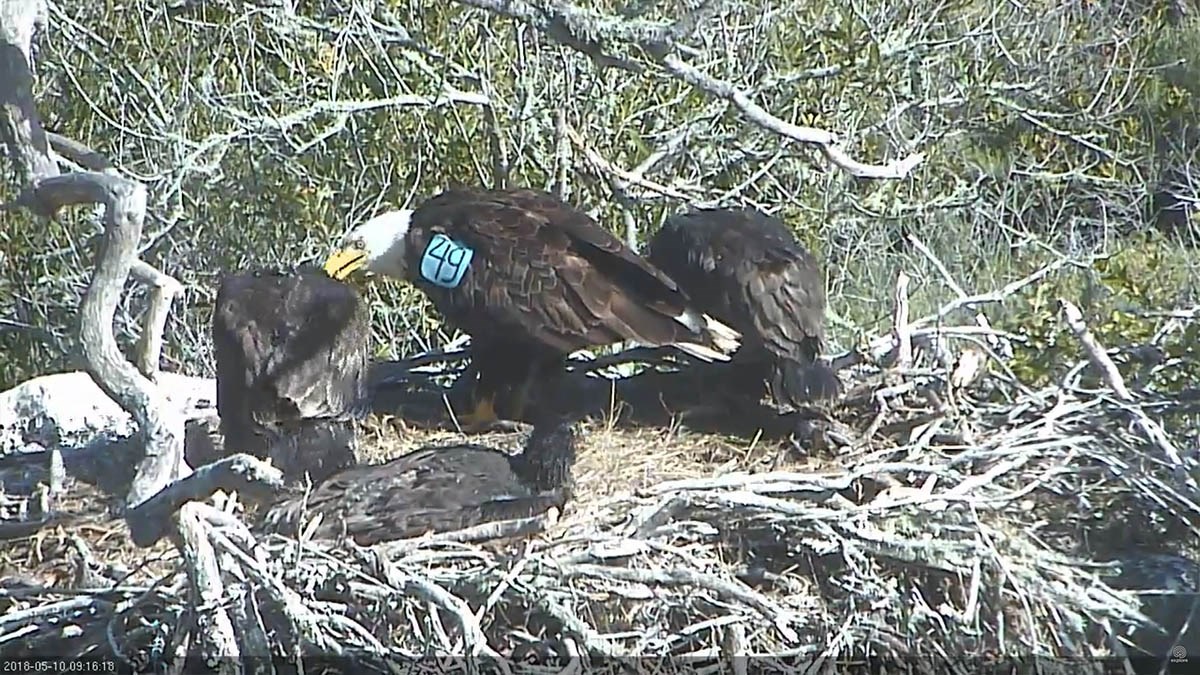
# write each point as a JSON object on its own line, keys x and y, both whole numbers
{"x": 320, "y": 353}
{"x": 747, "y": 269}
{"x": 290, "y": 346}
{"x": 240, "y": 349}
{"x": 551, "y": 272}
{"x": 429, "y": 490}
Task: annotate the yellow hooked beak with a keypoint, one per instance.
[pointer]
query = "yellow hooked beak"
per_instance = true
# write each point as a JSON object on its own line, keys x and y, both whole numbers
{"x": 343, "y": 262}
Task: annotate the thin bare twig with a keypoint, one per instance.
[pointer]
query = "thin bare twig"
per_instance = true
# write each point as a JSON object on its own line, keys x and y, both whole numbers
{"x": 586, "y": 30}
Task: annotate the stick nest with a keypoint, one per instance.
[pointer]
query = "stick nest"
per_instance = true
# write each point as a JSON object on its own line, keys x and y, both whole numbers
{"x": 938, "y": 521}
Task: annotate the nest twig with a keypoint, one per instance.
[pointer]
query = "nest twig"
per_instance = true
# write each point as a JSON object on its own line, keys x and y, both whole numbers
{"x": 963, "y": 518}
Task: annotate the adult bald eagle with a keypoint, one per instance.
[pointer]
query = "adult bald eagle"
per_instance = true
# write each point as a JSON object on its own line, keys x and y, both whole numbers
{"x": 291, "y": 360}
{"x": 747, "y": 269}
{"x": 530, "y": 279}
{"x": 437, "y": 489}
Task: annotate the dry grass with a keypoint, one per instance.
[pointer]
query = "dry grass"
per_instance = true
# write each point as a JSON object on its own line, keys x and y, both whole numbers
{"x": 947, "y": 522}
{"x": 611, "y": 460}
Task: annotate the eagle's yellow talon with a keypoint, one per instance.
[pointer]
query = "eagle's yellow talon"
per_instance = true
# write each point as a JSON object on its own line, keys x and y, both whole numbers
{"x": 481, "y": 417}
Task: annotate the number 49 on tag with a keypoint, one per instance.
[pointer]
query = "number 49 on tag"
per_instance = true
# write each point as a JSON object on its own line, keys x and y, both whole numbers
{"x": 445, "y": 261}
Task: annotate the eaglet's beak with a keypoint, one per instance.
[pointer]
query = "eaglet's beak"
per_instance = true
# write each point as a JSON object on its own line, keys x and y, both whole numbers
{"x": 343, "y": 262}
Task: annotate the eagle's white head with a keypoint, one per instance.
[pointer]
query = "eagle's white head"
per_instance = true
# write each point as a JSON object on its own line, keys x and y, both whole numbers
{"x": 376, "y": 246}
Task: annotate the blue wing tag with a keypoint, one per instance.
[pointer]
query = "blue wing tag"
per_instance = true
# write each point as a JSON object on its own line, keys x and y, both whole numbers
{"x": 445, "y": 261}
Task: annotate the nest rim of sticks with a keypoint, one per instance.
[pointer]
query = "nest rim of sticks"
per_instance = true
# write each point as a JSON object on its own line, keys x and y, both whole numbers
{"x": 959, "y": 534}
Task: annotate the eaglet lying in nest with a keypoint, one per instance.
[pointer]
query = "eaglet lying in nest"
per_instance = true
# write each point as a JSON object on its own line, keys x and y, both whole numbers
{"x": 437, "y": 489}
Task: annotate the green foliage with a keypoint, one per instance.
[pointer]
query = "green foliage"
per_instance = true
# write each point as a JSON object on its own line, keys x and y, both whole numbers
{"x": 1118, "y": 296}
{"x": 1140, "y": 278}
{"x": 1177, "y": 49}
{"x": 1147, "y": 272}
{"x": 1037, "y": 120}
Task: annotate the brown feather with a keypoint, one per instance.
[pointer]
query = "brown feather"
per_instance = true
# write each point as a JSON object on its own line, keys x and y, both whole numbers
{"x": 748, "y": 270}
{"x": 291, "y": 357}
{"x": 437, "y": 490}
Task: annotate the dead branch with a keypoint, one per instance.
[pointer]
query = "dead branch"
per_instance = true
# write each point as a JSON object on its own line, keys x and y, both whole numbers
{"x": 1108, "y": 371}
{"x": 46, "y": 192}
{"x": 503, "y": 529}
{"x": 901, "y": 330}
{"x": 79, "y": 153}
{"x": 671, "y": 577}
{"x": 163, "y": 291}
{"x": 474, "y": 640}
{"x": 22, "y": 130}
{"x": 586, "y": 30}
{"x": 240, "y": 472}
{"x": 302, "y": 624}
{"x": 213, "y": 627}
{"x": 1095, "y": 352}
{"x": 620, "y": 177}
{"x": 70, "y": 412}
{"x": 879, "y": 348}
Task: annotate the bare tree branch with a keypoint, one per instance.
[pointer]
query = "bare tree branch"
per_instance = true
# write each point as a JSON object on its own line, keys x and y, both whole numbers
{"x": 581, "y": 29}
{"x": 79, "y": 153}
{"x": 901, "y": 329}
{"x": 584, "y": 30}
{"x": 214, "y": 629}
{"x": 616, "y": 173}
{"x": 241, "y": 473}
{"x": 1098, "y": 357}
{"x": 160, "y": 425}
{"x": 1095, "y": 351}
{"x": 163, "y": 290}
{"x": 757, "y": 114}
{"x": 21, "y": 127}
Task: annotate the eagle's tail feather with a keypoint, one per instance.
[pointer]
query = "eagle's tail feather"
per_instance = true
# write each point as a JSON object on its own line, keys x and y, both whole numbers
{"x": 725, "y": 338}
{"x": 717, "y": 341}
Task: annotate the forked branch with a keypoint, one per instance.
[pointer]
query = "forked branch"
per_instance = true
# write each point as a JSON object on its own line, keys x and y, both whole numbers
{"x": 240, "y": 473}
{"x": 45, "y": 192}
